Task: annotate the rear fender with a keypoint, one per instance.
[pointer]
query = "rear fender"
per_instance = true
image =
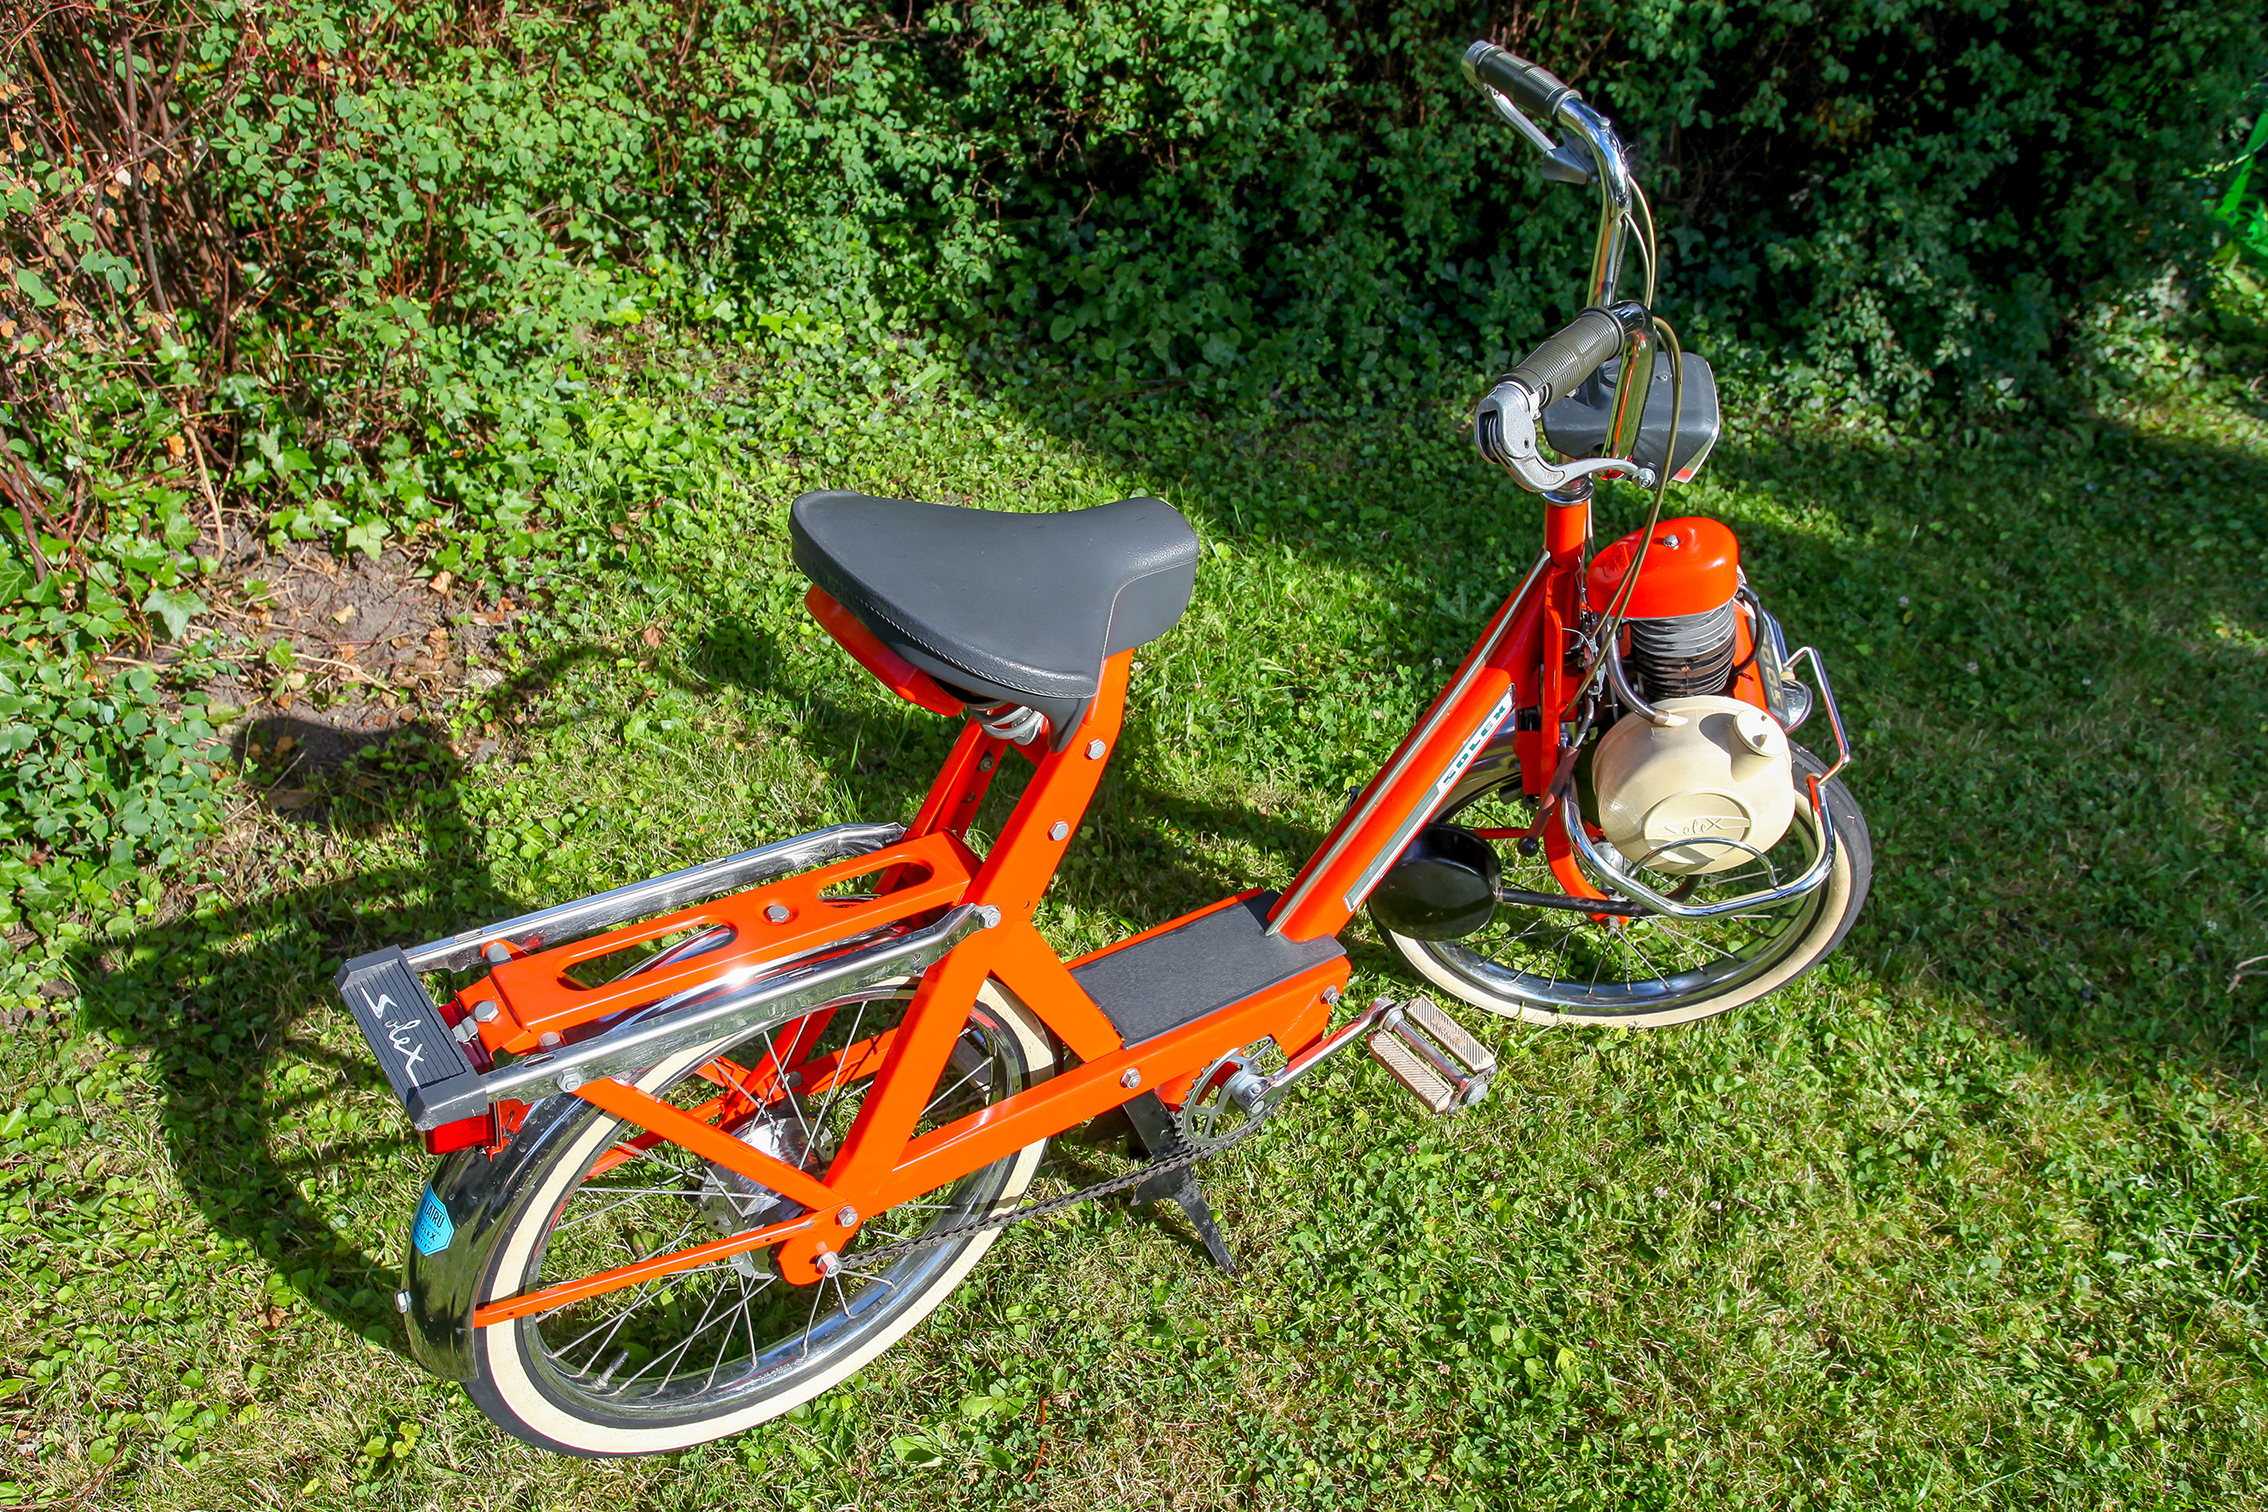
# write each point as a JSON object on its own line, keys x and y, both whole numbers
{"x": 469, "y": 1206}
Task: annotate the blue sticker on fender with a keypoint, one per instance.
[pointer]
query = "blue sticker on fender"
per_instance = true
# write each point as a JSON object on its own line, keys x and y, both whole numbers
{"x": 432, "y": 1231}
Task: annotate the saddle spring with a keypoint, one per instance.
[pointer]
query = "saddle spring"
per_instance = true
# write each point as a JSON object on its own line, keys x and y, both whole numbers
{"x": 1011, "y": 722}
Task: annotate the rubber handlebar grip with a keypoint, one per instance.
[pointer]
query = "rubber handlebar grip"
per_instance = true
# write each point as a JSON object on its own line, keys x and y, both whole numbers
{"x": 1526, "y": 85}
{"x": 1565, "y": 360}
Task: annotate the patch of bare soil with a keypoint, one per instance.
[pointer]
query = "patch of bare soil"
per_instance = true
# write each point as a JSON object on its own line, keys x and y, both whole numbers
{"x": 373, "y": 647}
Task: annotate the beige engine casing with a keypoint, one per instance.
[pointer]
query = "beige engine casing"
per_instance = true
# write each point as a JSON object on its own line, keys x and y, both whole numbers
{"x": 1721, "y": 773}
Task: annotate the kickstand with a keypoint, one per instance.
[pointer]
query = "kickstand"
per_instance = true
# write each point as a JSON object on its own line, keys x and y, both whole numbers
{"x": 1155, "y": 1133}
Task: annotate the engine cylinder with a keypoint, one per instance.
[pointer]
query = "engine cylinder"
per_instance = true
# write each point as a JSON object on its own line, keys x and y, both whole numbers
{"x": 1680, "y": 611}
{"x": 1680, "y": 655}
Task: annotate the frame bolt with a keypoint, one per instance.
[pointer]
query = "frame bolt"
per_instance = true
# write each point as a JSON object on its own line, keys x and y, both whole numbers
{"x": 549, "y": 1040}
{"x": 1058, "y": 830}
{"x": 570, "y": 1078}
{"x": 1095, "y": 749}
{"x": 846, "y": 1217}
{"x": 984, "y": 762}
{"x": 1331, "y": 996}
{"x": 484, "y": 1013}
{"x": 1132, "y": 1078}
{"x": 496, "y": 953}
{"x": 828, "y": 1262}
{"x": 401, "y": 1301}
{"x": 777, "y": 913}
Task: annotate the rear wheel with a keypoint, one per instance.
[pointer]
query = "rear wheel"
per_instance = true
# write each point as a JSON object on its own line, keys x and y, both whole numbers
{"x": 1557, "y": 966}
{"x": 706, "y": 1352}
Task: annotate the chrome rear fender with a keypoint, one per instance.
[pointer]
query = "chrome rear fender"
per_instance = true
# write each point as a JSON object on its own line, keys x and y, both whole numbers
{"x": 480, "y": 1194}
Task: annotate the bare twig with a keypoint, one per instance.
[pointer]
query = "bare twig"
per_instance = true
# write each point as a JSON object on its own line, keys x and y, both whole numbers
{"x": 197, "y": 452}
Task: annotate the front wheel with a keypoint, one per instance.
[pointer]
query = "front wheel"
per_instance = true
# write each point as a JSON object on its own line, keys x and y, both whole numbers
{"x": 1555, "y": 966}
{"x": 702, "y": 1353}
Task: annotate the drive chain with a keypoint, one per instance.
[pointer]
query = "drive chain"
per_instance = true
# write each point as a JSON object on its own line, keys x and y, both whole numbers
{"x": 866, "y": 1260}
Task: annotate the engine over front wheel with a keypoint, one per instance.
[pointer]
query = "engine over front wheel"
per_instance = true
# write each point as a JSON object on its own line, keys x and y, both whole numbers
{"x": 1556, "y": 966}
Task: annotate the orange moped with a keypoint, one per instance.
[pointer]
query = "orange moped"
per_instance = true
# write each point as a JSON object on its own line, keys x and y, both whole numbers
{"x": 714, "y": 1140}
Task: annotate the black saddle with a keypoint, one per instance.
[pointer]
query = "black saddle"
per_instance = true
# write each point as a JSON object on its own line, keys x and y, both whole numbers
{"x": 1015, "y": 608}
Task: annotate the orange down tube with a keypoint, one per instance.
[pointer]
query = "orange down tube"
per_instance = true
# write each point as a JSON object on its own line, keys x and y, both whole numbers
{"x": 1464, "y": 717}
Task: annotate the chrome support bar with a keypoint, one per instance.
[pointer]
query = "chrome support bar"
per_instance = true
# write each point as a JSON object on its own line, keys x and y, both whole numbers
{"x": 740, "y": 1002}
{"x": 1610, "y": 865}
{"x": 1834, "y": 715}
{"x": 1618, "y": 677}
{"x": 695, "y": 884}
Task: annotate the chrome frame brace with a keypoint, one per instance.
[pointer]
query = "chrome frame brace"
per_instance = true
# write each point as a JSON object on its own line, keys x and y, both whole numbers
{"x": 638, "y": 900}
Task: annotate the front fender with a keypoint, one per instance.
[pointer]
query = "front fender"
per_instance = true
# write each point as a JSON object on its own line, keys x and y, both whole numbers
{"x": 469, "y": 1206}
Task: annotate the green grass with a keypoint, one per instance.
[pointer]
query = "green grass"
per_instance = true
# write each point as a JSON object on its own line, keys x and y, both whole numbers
{"x": 1974, "y": 1216}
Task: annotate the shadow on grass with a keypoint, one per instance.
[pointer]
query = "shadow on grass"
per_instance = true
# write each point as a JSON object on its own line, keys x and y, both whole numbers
{"x": 219, "y": 996}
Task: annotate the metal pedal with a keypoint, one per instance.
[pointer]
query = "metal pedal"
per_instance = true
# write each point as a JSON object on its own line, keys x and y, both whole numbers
{"x": 1430, "y": 1053}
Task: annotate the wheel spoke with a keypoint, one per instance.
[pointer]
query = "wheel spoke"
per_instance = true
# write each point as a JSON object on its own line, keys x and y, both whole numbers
{"x": 835, "y": 1092}
{"x": 624, "y": 1198}
{"x": 724, "y": 1340}
{"x": 644, "y": 1343}
{"x": 678, "y": 1350}
{"x": 616, "y": 1327}
{"x": 1630, "y": 943}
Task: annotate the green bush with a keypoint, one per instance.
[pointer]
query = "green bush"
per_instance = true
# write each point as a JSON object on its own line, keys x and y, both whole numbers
{"x": 336, "y": 264}
{"x": 2244, "y": 206}
{"x": 1914, "y": 206}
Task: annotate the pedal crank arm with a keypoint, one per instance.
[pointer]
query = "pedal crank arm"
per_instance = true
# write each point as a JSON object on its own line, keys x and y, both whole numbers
{"x": 1422, "y": 1036}
{"x": 1254, "y": 1093}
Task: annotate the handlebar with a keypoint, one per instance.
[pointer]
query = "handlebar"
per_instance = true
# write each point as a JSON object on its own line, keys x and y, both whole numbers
{"x": 1520, "y": 86}
{"x": 1504, "y": 424}
{"x": 1527, "y": 85}
{"x": 1507, "y": 421}
{"x": 1564, "y": 360}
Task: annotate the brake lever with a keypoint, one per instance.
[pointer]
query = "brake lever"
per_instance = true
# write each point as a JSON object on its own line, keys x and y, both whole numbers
{"x": 1562, "y": 162}
{"x": 1504, "y": 432}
